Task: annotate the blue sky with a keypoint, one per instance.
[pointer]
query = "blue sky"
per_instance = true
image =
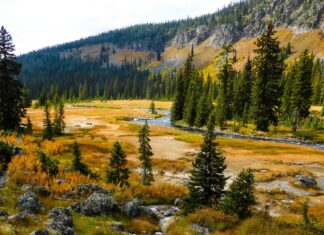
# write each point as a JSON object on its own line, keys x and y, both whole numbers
{"x": 34, "y": 24}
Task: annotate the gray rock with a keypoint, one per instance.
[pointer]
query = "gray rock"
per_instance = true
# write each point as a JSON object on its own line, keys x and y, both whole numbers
{"x": 2, "y": 181}
{"x": 27, "y": 187}
{"x": 166, "y": 222}
{"x": 151, "y": 212}
{"x": 22, "y": 216}
{"x": 306, "y": 181}
{"x": 171, "y": 211}
{"x": 99, "y": 203}
{"x": 42, "y": 191}
{"x": 178, "y": 202}
{"x": 40, "y": 232}
{"x": 61, "y": 221}
{"x": 200, "y": 230}
{"x": 131, "y": 209}
{"x": 28, "y": 202}
{"x": 76, "y": 207}
{"x": 224, "y": 35}
{"x": 86, "y": 189}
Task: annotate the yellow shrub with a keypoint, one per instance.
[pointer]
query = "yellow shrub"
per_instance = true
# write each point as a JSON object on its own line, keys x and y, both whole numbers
{"x": 53, "y": 147}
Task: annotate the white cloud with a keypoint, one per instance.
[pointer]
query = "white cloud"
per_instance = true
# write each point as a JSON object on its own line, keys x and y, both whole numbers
{"x": 38, "y": 23}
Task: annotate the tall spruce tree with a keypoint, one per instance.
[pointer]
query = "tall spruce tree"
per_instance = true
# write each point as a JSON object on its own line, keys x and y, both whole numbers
{"x": 179, "y": 100}
{"x": 146, "y": 154}
{"x": 152, "y": 107}
{"x": 207, "y": 179}
{"x": 118, "y": 173}
{"x": 242, "y": 92}
{"x": 203, "y": 110}
{"x": 77, "y": 164}
{"x": 29, "y": 127}
{"x": 240, "y": 198}
{"x": 266, "y": 92}
{"x": 11, "y": 90}
{"x": 224, "y": 99}
{"x": 48, "y": 131}
{"x": 59, "y": 124}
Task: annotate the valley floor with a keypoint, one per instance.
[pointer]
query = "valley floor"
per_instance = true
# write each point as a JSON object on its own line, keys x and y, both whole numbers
{"x": 97, "y": 125}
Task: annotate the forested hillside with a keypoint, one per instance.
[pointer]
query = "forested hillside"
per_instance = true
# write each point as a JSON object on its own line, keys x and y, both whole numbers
{"x": 163, "y": 48}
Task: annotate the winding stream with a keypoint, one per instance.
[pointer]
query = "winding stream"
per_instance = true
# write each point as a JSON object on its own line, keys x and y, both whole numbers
{"x": 166, "y": 121}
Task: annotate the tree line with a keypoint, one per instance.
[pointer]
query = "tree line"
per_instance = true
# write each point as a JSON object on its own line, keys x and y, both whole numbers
{"x": 266, "y": 92}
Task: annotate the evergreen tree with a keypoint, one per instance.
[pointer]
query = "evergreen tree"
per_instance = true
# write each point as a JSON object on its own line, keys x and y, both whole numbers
{"x": 59, "y": 124}
{"x": 207, "y": 179}
{"x": 240, "y": 199}
{"x": 266, "y": 90}
{"x": 152, "y": 108}
{"x": 11, "y": 94}
{"x": 242, "y": 92}
{"x": 146, "y": 154}
{"x": 118, "y": 173}
{"x": 203, "y": 110}
{"x": 77, "y": 164}
{"x": 178, "y": 103}
{"x": 29, "y": 127}
{"x": 48, "y": 131}
{"x": 226, "y": 76}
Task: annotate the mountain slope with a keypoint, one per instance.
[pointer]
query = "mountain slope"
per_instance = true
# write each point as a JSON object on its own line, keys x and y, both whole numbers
{"x": 164, "y": 47}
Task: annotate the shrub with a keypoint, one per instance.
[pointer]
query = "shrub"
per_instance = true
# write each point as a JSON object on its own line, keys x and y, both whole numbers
{"x": 142, "y": 224}
{"x": 6, "y": 153}
{"x": 213, "y": 219}
{"x": 48, "y": 165}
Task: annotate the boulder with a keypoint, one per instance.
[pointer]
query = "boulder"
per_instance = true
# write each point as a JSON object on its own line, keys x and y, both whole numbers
{"x": 166, "y": 222}
{"x": 306, "y": 181}
{"x": 151, "y": 212}
{"x": 131, "y": 209}
{"x": 86, "y": 189}
{"x": 171, "y": 211}
{"x": 200, "y": 230}
{"x": 99, "y": 203}
{"x": 178, "y": 202}
{"x": 28, "y": 202}
{"x": 61, "y": 221}
{"x": 117, "y": 226}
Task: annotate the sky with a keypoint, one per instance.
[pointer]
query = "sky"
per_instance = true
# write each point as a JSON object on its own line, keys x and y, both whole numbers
{"x": 35, "y": 24}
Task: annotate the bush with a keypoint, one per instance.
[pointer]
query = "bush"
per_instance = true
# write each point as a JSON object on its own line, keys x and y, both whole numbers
{"x": 213, "y": 219}
{"x": 313, "y": 123}
{"x": 305, "y": 135}
{"x": 48, "y": 165}
{"x": 7, "y": 151}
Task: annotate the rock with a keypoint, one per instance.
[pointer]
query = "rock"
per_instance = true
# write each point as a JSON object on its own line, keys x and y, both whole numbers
{"x": 61, "y": 221}
{"x": 171, "y": 211}
{"x": 117, "y": 226}
{"x": 306, "y": 181}
{"x": 76, "y": 207}
{"x": 131, "y": 209}
{"x": 41, "y": 191}
{"x": 3, "y": 213}
{"x": 158, "y": 233}
{"x": 28, "y": 202}
{"x": 178, "y": 202}
{"x": 151, "y": 212}
{"x": 166, "y": 222}
{"x": 200, "y": 230}
{"x": 23, "y": 216}
{"x": 27, "y": 187}
{"x": 193, "y": 36}
{"x": 40, "y": 232}
{"x": 99, "y": 203}
{"x": 223, "y": 35}
{"x": 86, "y": 189}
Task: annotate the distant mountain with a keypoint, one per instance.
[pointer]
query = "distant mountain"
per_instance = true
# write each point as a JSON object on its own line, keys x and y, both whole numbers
{"x": 163, "y": 47}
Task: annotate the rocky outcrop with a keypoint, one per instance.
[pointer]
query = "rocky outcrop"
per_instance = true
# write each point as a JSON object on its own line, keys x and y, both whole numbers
{"x": 61, "y": 221}
{"x": 191, "y": 37}
{"x": 224, "y": 35}
{"x": 28, "y": 202}
{"x": 306, "y": 181}
{"x": 98, "y": 203}
{"x": 131, "y": 209}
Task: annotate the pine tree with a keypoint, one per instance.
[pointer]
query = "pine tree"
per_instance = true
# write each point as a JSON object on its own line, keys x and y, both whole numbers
{"x": 118, "y": 173}
{"x": 267, "y": 73}
{"x": 11, "y": 94}
{"x": 203, "y": 110}
{"x": 178, "y": 103}
{"x": 77, "y": 164}
{"x": 240, "y": 199}
{"x": 146, "y": 154}
{"x": 48, "y": 131}
{"x": 29, "y": 127}
{"x": 207, "y": 179}
{"x": 190, "y": 105}
{"x": 152, "y": 107}
{"x": 226, "y": 76}
{"x": 59, "y": 124}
